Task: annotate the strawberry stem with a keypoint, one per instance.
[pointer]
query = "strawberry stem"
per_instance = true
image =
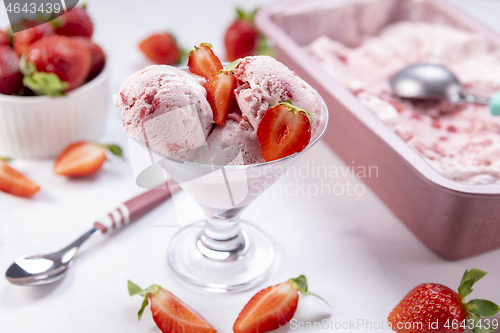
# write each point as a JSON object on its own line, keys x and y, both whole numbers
{"x": 197, "y": 47}
{"x": 134, "y": 289}
{"x": 476, "y": 308}
{"x": 300, "y": 283}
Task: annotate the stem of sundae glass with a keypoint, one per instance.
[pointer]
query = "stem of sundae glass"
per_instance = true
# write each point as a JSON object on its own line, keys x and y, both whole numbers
{"x": 222, "y": 238}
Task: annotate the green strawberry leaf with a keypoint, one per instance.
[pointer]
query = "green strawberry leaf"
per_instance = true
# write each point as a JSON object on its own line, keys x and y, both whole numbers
{"x": 206, "y": 44}
{"x": 232, "y": 65}
{"x": 474, "y": 274}
{"x": 478, "y": 326}
{"x": 468, "y": 280}
{"x": 241, "y": 14}
{"x": 293, "y": 108}
{"x": 45, "y": 84}
{"x": 300, "y": 283}
{"x": 27, "y": 68}
{"x": 482, "y": 307}
{"x": 115, "y": 150}
{"x": 134, "y": 289}
{"x": 144, "y": 304}
{"x": 264, "y": 46}
{"x": 5, "y": 159}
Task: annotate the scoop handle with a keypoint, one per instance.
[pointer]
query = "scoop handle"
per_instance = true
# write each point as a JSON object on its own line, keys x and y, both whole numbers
{"x": 495, "y": 105}
{"x": 131, "y": 210}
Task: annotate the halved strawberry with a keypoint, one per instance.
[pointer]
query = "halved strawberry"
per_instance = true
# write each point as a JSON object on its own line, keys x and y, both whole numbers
{"x": 220, "y": 92}
{"x": 284, "y": 130}
{"x": 14, "y": 182}
{"x": 202, "y": 61}
{"x": 170, "y": 314}
{"x": 161, "y": 48}
{"x": 83, "y": 158}
{"x": 76, "y": 22}
{"x": 23, "y": 39}
{"x": 272, "y": 307}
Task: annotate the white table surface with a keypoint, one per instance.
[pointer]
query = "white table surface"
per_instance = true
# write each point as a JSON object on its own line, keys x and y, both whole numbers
{"x": 354, "y": 251}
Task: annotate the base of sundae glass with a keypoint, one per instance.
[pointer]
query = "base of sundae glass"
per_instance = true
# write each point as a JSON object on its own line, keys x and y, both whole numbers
{"x": 219, "y": 259}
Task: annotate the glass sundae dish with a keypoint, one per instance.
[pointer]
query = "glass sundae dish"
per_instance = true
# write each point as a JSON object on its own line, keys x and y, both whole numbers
{"x": 224, "y": 167}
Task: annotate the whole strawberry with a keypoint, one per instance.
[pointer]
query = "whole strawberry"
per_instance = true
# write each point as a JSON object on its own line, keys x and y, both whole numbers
{"x": 97, "y": 57}
{"x": 161, "y": 48}
{"x": 76, "y": 22}
{"x": 432, "y": 307}
{"x": 4, "y": 38}
{"x": 11, "y": 78}
{"x": 55, "y": 58}
{"x": 23, "y": 39}
{"x": 241, "y": 36}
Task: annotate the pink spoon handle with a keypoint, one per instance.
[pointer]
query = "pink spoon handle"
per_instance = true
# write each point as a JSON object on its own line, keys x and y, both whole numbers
{"x": 132, "y": 209}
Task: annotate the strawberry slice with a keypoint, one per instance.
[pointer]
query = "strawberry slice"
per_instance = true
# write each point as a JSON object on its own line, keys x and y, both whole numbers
{"x": 83, "y": 158}
{"x": 220, "y": 92}
{"x": 170, "y": 314}
{"x": 161, "y": 48}
{"x": 202, "y": 61}
{"x": 284, "y": 130}
{"x": 272, "y": 307}
{"x": 14, "y": 182}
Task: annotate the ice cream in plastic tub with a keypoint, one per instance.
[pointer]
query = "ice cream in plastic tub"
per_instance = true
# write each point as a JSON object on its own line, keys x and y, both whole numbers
{"x": 455, "y": 218}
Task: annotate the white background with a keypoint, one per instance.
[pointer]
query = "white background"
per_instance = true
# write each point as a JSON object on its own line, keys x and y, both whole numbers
{"x": 355, "y": 253}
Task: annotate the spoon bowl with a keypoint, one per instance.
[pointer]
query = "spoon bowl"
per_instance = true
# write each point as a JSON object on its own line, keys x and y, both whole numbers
{"x": 45, "y": 268}
{"x": 434, "y": 82}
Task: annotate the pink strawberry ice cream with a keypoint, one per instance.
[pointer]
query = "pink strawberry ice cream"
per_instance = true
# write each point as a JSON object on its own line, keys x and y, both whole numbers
{"x": 461, "y": 142}
{"x": 167, "y": 108}
{"x": 263, "y": 82}
{"x": 155, "y": 104}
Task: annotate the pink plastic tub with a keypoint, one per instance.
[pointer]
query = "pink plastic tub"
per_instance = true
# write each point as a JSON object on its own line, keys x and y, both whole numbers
{"x": 453, "y": 219}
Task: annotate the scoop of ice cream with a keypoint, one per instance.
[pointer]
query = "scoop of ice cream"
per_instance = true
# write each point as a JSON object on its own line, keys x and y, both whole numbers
{"x": 238, "y": 131}
{"x": 166, "y": 108}
{"x": 263, "y": 82}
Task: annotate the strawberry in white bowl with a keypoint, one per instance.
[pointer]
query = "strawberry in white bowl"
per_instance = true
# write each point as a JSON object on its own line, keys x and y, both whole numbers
{"x": 59, "y": 95}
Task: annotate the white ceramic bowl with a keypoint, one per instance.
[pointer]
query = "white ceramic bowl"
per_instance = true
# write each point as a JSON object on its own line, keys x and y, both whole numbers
{"x": 42, "y": 126}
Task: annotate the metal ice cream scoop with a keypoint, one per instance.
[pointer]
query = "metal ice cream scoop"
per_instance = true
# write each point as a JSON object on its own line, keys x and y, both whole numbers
{"x": 427, "y": 81}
